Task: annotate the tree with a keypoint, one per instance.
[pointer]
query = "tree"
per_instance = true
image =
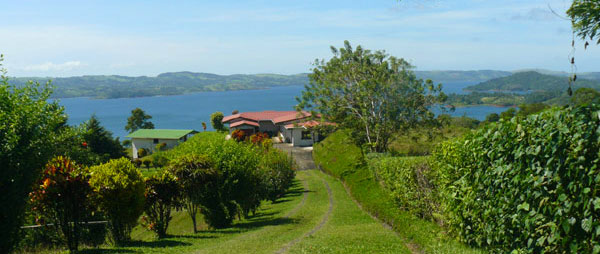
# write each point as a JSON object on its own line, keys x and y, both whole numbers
{"x": 138, "y": 120}
{"x": 532, "y": 108}
{"x": 493, "y": 117}
{"x": 199, "y": 181}
{"x": 101, "y": 142}
{"x": 585, "y": 95}
{"x": 216, "y": 120}
{"x": 28, "y": 126}
{"x": 508, "y": 114}
{"x": 585, "y": 18}
{"x": 371, "y": 93}
{"x": 162, "y": 195}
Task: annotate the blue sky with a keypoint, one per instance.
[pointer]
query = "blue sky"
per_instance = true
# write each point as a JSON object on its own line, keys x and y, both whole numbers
{"x": 66, "y": 38}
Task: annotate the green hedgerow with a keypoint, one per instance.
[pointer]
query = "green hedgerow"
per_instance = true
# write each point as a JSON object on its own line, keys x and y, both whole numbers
{"x": 530, "y": 184}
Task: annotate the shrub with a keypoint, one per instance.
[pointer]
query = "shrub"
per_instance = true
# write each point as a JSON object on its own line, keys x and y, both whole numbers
{"x": 119, "y": 193}
{"x": 279, "y": 172}
{"x": 216, "y": 119}
{"x": 142, "y": 153}
{"x": 162, "y": 195}
{"x": 258, "y": 138}
{"x": 411, "y": 183}
{"x": 529, "y": 185}
{"x": 159, "y": 159}
{"x": 137, "y": 163}
{"x": 238, "y": 135}
{"x": 161, "y": 147}
{"x": 61, "y": 198}
{"x": 146, "y": 163}
{"x": 200, "y": 185}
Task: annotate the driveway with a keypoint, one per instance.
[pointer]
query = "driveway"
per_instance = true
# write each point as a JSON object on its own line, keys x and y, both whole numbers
{"x": 302, "y": 155}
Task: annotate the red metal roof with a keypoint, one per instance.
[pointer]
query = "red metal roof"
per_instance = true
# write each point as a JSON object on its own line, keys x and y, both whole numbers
{"x": 244, "y": 122}
{"x": 275, "y": 116}
{"x": 307, "y": 124}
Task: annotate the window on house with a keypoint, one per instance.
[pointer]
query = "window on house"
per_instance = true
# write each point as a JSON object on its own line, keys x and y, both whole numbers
{"x": 155, "y": 141}
{"x": 306, "y": 135}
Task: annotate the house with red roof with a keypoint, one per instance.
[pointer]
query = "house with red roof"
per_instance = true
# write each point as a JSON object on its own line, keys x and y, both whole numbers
{"x": 291, "y": 126}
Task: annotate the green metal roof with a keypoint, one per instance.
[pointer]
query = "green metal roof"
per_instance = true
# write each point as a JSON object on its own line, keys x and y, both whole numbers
{"x": 160, "y": 133}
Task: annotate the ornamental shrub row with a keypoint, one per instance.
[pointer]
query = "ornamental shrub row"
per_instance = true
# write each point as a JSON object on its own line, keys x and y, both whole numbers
{"x": 219, "y": 178}
{"x": 528, "y": 185}
{"x": 223, "y": 179}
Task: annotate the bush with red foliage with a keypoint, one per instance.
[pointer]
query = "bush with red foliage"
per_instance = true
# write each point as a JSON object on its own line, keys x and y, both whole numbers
{"x": 259, "y": 138}
{"x": 61, "y": 198}
{"x": 238, "y": 135}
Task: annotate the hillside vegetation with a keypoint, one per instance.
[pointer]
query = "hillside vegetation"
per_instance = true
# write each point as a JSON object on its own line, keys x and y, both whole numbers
{"x": 531, "y": 81}
{"x": 521, "y": 88}
{"x": 173, "y": 83}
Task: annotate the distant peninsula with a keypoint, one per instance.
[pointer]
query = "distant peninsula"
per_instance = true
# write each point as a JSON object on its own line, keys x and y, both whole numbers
{"x": 522, "y": 87}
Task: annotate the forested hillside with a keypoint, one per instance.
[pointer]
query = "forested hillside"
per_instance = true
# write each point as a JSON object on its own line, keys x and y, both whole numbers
{"x": 172, "y": 83}
{"x": 531, "y": 81}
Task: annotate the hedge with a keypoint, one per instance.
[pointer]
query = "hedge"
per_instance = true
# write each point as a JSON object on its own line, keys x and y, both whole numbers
{"x": 527, "y": 185}
{"x": 411, "y": 183}
{"x": 338, "y": 156}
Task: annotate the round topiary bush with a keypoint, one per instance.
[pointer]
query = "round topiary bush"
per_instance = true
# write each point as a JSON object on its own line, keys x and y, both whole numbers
{"x": 142, "y": 152}
{"x": 527, "y": 184}
{"x": 119, "y": 193}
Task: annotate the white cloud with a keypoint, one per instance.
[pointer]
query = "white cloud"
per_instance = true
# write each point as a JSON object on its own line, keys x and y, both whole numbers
{"x": 50, "y": 66}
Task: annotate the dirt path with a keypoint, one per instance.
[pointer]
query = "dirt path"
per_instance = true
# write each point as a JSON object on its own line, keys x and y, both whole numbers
{"x": 302, "y": 155}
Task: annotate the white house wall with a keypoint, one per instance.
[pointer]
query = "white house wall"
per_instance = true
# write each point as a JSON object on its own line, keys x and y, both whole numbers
{"x": 297, "y": 140}
{"x": 148, "y": 144}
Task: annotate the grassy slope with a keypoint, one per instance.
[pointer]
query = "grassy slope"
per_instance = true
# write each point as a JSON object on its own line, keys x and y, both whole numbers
{"x": 347, "y": 230}
{"x": 351, "y": 168}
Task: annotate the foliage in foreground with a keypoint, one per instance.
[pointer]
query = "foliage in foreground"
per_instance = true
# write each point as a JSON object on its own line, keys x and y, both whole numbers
{"x": 27, "y": 132}
{"x": 61, "y": 198}
{"x": 529, "y": 185}
{"x": 161, "y": 197}
{"x": 119, "y": 193}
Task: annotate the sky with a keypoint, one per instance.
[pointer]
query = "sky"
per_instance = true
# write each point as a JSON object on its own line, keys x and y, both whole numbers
{"x": 135, "y": 38}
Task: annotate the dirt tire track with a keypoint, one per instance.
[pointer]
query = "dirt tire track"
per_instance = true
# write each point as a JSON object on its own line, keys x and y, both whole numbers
{"x": 301, "y": 204}
{"x": 414, "y": 248}
{"x": 316, "y": 228}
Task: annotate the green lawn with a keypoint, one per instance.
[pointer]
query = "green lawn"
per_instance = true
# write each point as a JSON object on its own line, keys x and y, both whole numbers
{"x": 314, "y": 221}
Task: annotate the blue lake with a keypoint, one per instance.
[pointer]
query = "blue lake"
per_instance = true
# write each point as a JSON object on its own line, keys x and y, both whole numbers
{"x": 190, "y": 110}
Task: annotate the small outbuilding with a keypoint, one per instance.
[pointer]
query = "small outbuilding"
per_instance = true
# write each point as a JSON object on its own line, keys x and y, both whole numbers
{"x": 149, "y": 138}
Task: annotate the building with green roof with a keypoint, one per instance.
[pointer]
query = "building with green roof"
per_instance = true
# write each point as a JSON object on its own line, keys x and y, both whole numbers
{"x": 148, "y": 139}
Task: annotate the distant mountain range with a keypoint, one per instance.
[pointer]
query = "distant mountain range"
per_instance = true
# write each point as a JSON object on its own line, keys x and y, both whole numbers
{"x": 172, "y": 83}
{"x": 175, "y": 83}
